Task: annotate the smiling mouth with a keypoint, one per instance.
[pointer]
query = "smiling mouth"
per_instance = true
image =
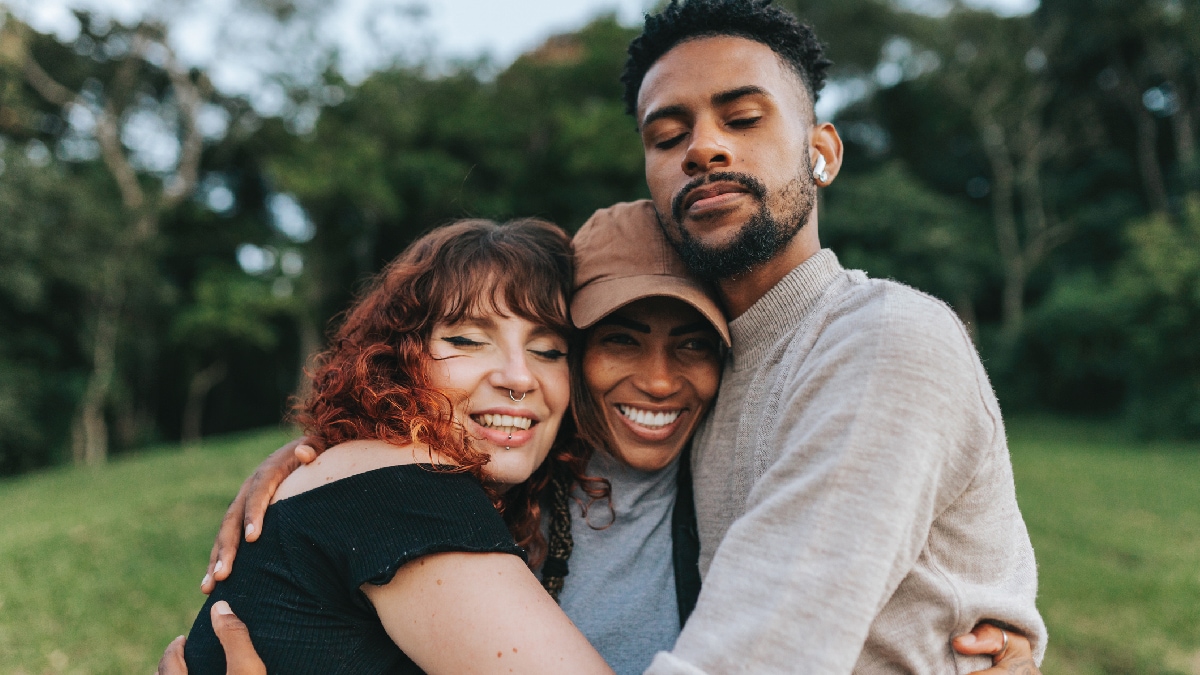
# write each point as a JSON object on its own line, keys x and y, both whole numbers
{"x": 648, "y": 418}
{"x": 503, "y": 423}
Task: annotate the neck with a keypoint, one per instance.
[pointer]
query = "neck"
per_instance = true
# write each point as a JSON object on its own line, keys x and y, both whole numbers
{"x": 741, "y": 292}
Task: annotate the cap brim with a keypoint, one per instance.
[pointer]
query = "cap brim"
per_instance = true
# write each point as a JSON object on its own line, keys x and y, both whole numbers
{"x": 599, "y": 299}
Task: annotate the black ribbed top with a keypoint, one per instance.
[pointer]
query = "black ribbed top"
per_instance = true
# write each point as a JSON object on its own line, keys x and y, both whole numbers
{"x": 297, "y": 587}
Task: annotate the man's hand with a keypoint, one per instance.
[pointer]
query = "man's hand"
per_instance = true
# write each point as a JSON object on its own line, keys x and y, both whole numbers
{"x": 240, "y": 657}
{"x": 1015, "y": 659}
{"x": 248, "y": 508}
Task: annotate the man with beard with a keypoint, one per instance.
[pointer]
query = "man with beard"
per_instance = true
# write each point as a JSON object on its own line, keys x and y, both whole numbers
{"x": 853, "y": 486}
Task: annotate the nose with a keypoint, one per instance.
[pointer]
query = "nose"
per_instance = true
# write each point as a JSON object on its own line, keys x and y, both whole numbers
{"x": 657, "y": 378}
{"x": 706, "y": 150}
{"x": 512, "y": 372}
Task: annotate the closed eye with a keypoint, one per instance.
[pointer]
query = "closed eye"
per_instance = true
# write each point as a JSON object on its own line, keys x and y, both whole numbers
{"x": 744, "y": 122}
{"x": 550, "y": 354}
{"x": 670, "y": 142}
{"x": 460, "y": 341}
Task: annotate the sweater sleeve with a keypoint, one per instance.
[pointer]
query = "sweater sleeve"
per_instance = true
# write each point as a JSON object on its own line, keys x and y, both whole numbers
{"x": 881, "y": 426}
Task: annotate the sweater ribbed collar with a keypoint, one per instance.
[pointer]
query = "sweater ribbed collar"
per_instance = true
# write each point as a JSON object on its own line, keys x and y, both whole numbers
{"x": 782, "y": 309}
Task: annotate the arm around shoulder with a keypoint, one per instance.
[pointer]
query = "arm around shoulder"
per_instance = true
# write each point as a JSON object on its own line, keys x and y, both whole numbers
{"x": 869, "y": 439}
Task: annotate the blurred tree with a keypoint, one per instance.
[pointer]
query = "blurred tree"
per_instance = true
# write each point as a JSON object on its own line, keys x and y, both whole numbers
{"x": 1144, "y": 57}
{"x": 1000, "y": 72}
{"x": 52, "y": 221}
{"x": 229, "y": 309}
{"x": 146, "y": 85}
{"x": 975, "y": 145}
{"x": 1160, "y": 282}
{"x": 546, "y": 137}
{"x": 891, "y": 225}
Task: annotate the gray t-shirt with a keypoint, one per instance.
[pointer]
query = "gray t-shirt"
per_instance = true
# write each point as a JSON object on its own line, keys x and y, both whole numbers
{"x": 620, "y": 591}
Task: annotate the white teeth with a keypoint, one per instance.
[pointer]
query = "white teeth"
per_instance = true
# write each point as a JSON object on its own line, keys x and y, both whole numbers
{"x": 507, "y": 423}
{"x": 647, "y": 418}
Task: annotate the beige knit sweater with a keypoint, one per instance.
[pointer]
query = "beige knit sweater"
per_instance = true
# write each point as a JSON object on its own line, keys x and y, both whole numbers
{"x": 854, "y": 490}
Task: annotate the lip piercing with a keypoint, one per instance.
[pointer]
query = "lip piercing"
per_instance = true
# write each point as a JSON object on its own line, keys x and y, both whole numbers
{"x": 514, "y": 398}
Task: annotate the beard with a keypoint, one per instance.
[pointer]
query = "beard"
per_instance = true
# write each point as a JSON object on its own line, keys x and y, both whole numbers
{"x": 764, "y": 235}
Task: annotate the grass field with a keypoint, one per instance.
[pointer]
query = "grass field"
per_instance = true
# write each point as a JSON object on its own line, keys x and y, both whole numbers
{"x": 99, "y": 569}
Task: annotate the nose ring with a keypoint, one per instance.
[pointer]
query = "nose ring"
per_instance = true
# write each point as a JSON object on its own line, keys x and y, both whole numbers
{"x": 514, "y": 398}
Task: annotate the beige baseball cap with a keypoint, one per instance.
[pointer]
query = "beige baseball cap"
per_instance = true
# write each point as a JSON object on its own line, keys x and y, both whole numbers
{"x": 621, "y": 256}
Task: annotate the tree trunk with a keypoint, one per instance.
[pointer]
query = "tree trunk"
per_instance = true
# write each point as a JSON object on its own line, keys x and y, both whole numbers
{"x": 964, "y": 307}
{"x": 1185, "y": 139}
{"x": 310, "y": 344}
{"x": 1008, "y": 240}
{"x": 1147, "y": 152}
{"x": 90, "y": 431}
{"x": 193, "y": 410}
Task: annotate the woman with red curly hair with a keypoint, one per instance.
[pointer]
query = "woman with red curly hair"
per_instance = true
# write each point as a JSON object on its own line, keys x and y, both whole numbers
{"x": 402, "y": 548}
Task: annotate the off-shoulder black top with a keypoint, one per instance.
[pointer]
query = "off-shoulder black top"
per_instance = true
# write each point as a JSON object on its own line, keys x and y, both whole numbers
{"x": 298, "y": 587}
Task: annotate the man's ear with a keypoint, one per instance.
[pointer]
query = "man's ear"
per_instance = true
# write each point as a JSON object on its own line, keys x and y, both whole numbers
{"x": 826, "y": 143}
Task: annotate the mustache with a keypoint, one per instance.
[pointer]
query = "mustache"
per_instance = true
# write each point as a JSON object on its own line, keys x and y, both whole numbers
{"x": 753, "y": 186}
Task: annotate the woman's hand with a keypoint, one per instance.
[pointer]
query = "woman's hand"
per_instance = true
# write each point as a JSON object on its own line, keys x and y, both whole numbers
{"x": 1011, "y": 657}
{"x": 248, "y": 508}
{"x": 240, "y": 657}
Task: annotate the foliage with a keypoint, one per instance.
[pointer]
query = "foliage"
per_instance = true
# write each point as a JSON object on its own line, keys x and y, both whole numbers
{"x": 1033, "y": 171}
{"x": 1161, "y": 283}
{"x": 53, "y": 221}
{"x": 889, "y": 223}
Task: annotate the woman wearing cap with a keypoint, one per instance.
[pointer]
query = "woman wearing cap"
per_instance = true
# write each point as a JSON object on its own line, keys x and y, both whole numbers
{"x": 624, "y": 569}
{"x": 649, "y": 370}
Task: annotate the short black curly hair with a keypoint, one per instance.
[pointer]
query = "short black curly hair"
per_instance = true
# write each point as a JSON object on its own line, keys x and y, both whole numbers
{"x": 757, "y": 20}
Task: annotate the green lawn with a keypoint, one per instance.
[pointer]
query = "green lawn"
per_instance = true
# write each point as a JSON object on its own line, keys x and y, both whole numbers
{"x": 99, "y": 568}
{"x": 1116, "y": 528}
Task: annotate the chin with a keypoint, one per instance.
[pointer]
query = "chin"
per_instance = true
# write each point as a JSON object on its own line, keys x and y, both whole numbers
{"x": 510, "y": 471}
{"x": 650, "y": 458}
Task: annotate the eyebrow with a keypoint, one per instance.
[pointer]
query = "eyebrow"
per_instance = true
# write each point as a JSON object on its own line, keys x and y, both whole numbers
{"x": 718, "y": 99}
{"x": 696, "y": 327}
{"x": 741, "y": 92}
{"x": 618, "y": 320}
{"x": 668, "y": 111}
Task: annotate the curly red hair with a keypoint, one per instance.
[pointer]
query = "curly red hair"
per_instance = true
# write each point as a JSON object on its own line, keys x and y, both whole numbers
{"x": 373, "y": 383}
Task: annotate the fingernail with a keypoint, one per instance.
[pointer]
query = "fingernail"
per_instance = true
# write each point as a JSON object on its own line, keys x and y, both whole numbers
{"x": 249, "y": 529}
{"x": 222, "y": 607}
{"x": 219, "y": 566}
{"x": 967, "y": 640}
{"x": 205, "y": 580}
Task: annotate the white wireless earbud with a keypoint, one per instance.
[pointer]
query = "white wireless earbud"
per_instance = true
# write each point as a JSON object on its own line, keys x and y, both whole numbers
{"x": 819, "y": 170}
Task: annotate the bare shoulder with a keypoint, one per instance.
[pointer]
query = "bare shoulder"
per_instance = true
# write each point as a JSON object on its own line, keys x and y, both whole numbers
{"x": 350, "y": 459}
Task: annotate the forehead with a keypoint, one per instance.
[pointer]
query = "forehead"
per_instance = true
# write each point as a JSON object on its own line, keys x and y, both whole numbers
{"x": 693, "y": 71}
{"x": 660, "y": 310}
